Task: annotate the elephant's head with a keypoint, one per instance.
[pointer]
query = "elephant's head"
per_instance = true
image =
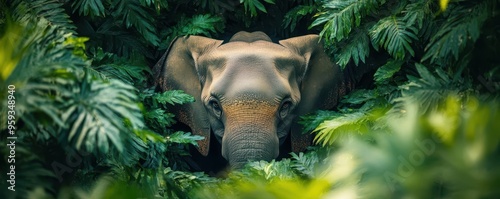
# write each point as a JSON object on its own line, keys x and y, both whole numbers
{"x": 249, "y": 91}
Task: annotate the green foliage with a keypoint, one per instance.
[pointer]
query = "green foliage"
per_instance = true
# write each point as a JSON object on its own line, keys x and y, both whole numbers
{"x": 460, "y": 29}
{"x": 419, "y": 39}
{"x": 205, "y": 24}
{"x": 251, "y": 6}
{"x": 93, "y": 8}
{"x": 425, "y": 128}
{"x": 74, "y": 101}
{"x": 156, "y": 116}
{"x": 293, "y": 16}
{"x": 394, "y": 35}
{"x": 385, "y": 72}
{"x": 107, "y": 65}
{"x": 135, "y": 15}
{"x": 50, "y": 10}
{"x": 173, "y": 97}
{"x": 409, "y": 161}
{"x": 429, "y": 90}
{"x": 331, "y": 130}
{"x": 30, "y": 171}
{"x": 306, "y": 163}
{"x": 99, "y": 113}
{"x": 357, "y": 51}
{"x": 184, "y": 138}
{"x": 402, "y": 28}
{"x": 340, "y": 17}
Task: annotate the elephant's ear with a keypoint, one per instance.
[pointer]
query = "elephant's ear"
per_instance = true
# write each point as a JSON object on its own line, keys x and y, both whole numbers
{"x": 321, "y": 83}
{"x": 178, "y": 70}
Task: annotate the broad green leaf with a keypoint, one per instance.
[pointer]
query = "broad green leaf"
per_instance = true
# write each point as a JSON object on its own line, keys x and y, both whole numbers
{"x": 341, "y": 17}
{"x": 94, "y": 8}
{"x": 251, "y": 6}
{"x": 337, "y": 128}
{"x": 357, "y": 48}
{"x": 173, "y": 97}
{"x": 386, "y": 71}
{"x": 184, "y": 138}
{"x": 459, "y": 30}
{"x": 395, "y": 36}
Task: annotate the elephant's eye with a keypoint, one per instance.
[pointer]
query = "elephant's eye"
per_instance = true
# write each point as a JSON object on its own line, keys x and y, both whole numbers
{"x": 285, "y": 108}
{"x": 216, "y": 107}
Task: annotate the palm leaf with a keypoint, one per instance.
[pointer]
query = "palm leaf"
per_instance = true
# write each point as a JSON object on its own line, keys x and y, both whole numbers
{"x": 251, "y": 6}
{"x": 461, "y": 28}
{"x": 337, "y": 128}
{"x": 394, "y": 35}
{"x": 357, "y": 48}
{"x": 173, "y": 97}
{"x": 51, "y": 10}
{"x": 342, "y": 16}
{"x": 44, "y": 64}
{"x": 306, "y": 163}
{"x": 429, "y": 90}
{"x": 294, "y": 15}
{"x": 184, "y": 138}
{"x": 93, "y": 8}
{"x": 101, "y": 115}
{"x": 137, "y": 16}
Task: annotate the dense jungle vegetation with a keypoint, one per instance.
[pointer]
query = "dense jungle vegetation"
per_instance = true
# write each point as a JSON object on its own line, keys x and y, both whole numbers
{"x": 89, "y": 124}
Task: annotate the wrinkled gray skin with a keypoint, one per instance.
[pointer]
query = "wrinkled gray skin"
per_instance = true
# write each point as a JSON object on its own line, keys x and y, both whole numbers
{"x": 250, "y": 91}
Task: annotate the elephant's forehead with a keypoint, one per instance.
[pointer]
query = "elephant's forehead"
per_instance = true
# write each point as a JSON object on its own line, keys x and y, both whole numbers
{"x": 260, "y": 68}
{"x": 259, "y": 49}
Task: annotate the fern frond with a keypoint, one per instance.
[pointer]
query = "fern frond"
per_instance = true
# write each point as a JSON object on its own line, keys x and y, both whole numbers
{"x": 342, "y": 16}
{"x": 294, "y": 15}
{"x": 204, "y": 25}
{"x": 126, "y": 73}
{"x": 180, "y": 137}
{"x": 173, "y": 97}
{"x": 159, "y": 119}
{"x": 93, "y": 8}
{"x": 394, "y": 35}
{"x": 416, "y": 12}
{"x": 461, "y": 28}
{"x": 357, "y": 49}
{"x": 430, "y": 90}
{"x": 359, "y": 96}
{"x": 51, "y": 10}
{"x": 331, "y": 130}
{"x": 251, "y": 6}
{"x": 271, "y": 170}
{"x": 311, "y": 121}
{"x": 305, "y": 163}
{"x": 135, "y": 15}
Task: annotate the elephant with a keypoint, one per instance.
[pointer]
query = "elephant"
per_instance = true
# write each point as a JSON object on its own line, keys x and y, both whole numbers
{"x": 250, "y": 91}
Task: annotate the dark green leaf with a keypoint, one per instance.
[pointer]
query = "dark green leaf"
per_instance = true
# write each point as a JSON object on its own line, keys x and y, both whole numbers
{"x": 386, "y": 71}
{"x": 342, "y": 16}
{"x": 89, "y": 7}
{"x": 395, "y": 36}
{"x": 184, "y": 138}
{"x": 173, "y": 97}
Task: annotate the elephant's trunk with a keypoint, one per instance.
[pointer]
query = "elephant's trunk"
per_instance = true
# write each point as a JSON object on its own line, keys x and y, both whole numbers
{"x": 247, "y": 144}
{"x": 250, "y": 133}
